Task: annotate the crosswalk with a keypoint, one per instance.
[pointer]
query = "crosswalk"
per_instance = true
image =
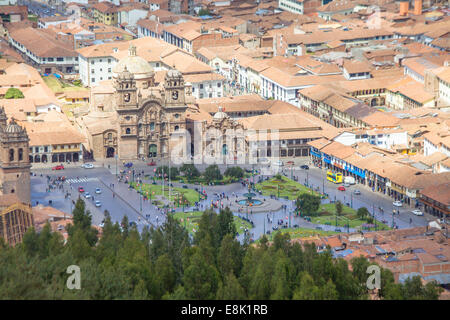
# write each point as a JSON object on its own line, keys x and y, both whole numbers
{"x": 80, "y": 180}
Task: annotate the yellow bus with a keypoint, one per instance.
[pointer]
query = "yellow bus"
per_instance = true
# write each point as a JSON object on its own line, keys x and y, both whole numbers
{"x": 334, "y": 177}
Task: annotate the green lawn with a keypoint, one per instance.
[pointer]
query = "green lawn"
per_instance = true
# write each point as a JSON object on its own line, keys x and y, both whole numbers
{"x": 58, "y": 86}
{"x": 190, "y": 220}
{"x": 152, "y": 190}
{"x": 287, "y": 188}
{"x": 297, "y": 233}
{"x": 327, "y": 215}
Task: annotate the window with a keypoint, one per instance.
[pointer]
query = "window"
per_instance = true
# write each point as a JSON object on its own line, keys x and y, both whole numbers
{"x": 11, "y": 154}
{"x": 218, "y": 85}
{"x": 152, "y": 126}
{"x": 20, "y": 154}
{"x": 177, "y": 128}
{"x": 109, "y": 69}
{"x": 50, "y": 59}
{"x": 92, "y": 71}
{"x": 201, "y": 85}
{"x": 110, "y": 136}
{"x": 93, "y": 80}
{"x": 92, "y": 61}
{"x": 59, "y": 59}
{"x": 109, "y": 60}
{"x": 128, "y": 131}
{"x": 45, "y": 149}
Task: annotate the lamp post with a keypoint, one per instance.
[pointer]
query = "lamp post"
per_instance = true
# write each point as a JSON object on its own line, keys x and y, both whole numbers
{"x": 115, "y": 156}
{"x": 140, "y": 195}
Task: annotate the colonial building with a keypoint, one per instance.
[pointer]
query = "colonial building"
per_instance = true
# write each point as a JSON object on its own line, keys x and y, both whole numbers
{"x": 15, "y": 219}
{"x": 14, "y": 161}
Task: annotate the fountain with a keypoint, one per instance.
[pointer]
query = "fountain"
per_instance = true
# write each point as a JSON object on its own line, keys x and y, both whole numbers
{"x": 249, "y": 201}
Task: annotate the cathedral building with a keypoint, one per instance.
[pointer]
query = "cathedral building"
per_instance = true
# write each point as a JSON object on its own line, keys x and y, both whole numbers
{"x": 136, "y": 115}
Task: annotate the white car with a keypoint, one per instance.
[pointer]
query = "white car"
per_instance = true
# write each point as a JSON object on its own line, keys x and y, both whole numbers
{"x": 87, "y": 165}
{"x": 417, "y": 212}
{"x": 263, "y": 161}
{"x": 87, "y": 195}
{"x": 98, "y": 203}
{"x": 278, "y": 163}
{"x": 98, "y": 190}
{"x": 397, "y": 203}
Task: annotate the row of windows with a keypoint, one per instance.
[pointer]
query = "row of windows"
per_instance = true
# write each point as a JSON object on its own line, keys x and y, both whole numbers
{"x": 20, "y": 154}
{"x": 101, "y": 70}
{"x": 100, "y": 60}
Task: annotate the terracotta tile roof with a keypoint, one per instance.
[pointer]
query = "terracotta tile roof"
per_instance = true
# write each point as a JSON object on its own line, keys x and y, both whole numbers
{"x": 438, "y": 192}
{"x": 412, "y": 89}
{"x": 42, "y": 43}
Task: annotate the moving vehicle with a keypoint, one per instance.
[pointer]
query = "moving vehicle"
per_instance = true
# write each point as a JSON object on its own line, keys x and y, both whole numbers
{"x": 59, "y": 167}
{"x": 397, "y": 203}
{"x": 417, "y": 212}
{"x": 98, "y": 203}
{"x": 349, "y": 180}
{"x": 357, "y": 192}
{"x": 98, "y": 190}
{"x": 304, "y": 167}
{"x": 87, "y": 165}
{"x": 80, "y": 189}
{"x": 128, "y": 164}
{"x": 341, "y": 188}
{"x": 263, "y": 161}
{"x": 151, "y": 163}
{"x": 87, "y": 195}
{"x": 334, "y": 177}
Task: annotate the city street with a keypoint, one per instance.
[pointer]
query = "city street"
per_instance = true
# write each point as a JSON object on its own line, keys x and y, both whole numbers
{"x": 120, "y": 200}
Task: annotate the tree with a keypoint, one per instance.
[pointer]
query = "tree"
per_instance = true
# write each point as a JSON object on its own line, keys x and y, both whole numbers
{"x": 212, "y": 173}
{"x": 14, "y": 93}
{"x": 201, "y": 280}
{"x": 230, "y": 289}
{"x": 308, "y": 204}
{"x": 204, "y": 12}
{"x": 166, "y": 173}
{"x": 225, "y": 224}
{"x": 339, "y": 208}
{"x": 189, "y": 171}
{"x": 235, "y": 172}
{"x": 362, "y": 213}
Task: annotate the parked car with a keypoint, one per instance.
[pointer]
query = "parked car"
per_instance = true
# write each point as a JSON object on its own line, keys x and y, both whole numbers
{"x": 278, "y": 163}
{"x": 397, "y": 203}
{"x": 80, "y": 189}
{"x": 59, "y": 167}
{"x": 341, "y": 188}
{"x": 98, "y": 203}
{"x": 98, "y": 190}
{"x": 87, "y": 165}
{"x": 304, "y": 167}
{"x": 346, "y": 185}
{"x": 357, "y": 192}
{"x": 263, "y": 161}
{"x": 417, "y": 212}
{"x": 151, "y": 163}
{"x": 87, "y": 195}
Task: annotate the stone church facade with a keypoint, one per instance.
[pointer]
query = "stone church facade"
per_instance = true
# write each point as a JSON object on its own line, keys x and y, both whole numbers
{"x": 14, "y": 159}
{"x": 145, "y": 119}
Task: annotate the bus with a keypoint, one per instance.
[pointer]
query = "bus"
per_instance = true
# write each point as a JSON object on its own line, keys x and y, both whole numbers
{"x": 334, "y": 177}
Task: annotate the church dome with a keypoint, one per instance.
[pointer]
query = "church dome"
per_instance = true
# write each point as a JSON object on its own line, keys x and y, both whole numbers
{"x": 219, "y": 115}
{"x": 137, "y": 66}
{"x": 13, "y": 127}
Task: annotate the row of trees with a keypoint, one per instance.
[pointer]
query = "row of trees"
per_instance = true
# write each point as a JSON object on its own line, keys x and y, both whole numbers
{"x": 163, "y": 264}
{"x": 211, "y": 173}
